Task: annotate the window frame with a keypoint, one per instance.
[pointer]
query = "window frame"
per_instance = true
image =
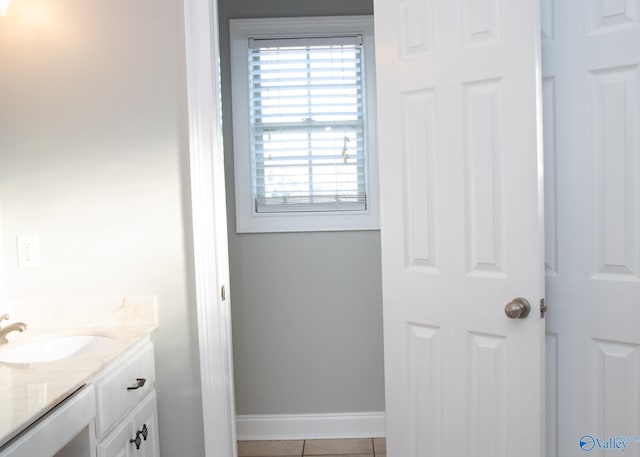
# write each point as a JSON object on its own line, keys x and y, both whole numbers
{"x": 248, "y": 220}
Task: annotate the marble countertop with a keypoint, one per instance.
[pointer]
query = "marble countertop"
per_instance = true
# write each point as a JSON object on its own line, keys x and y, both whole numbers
{"x": 28, "y": 391}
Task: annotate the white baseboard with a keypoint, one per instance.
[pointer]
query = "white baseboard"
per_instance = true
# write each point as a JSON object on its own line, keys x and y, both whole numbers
{"x": 309, "y": 426}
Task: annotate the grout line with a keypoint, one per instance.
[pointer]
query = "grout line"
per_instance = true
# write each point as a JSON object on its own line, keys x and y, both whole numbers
{"x": 304, "y": 443}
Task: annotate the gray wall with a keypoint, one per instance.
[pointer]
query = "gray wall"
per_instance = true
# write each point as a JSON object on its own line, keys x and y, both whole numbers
{"x": 306, "y": 307}
{"x": 93, "y": 151}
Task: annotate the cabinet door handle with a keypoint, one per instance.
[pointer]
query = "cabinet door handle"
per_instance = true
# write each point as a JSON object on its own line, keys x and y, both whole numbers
{"x": 137, "y": 441}
{"x": 139, "y": 383}
{"x": 144, "y": 432}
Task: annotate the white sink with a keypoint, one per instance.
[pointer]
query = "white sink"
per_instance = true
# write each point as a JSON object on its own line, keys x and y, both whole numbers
{"x": 50, "y": 348}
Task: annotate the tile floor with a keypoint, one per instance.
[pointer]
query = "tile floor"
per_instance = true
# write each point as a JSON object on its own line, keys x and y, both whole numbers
{"x": 352, "y": 447}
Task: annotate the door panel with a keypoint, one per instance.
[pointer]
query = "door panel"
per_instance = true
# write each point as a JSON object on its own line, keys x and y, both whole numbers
{"x": 592, "y": 61}
{"x": 462, "y": 231}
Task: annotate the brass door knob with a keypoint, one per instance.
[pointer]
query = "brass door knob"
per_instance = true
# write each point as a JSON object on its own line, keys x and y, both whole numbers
{"x": 518, "y": 308}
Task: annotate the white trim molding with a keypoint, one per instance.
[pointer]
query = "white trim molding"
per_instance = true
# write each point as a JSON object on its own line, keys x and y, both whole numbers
{"x": 209, "y": 230}
{"x": 310, "y": 426}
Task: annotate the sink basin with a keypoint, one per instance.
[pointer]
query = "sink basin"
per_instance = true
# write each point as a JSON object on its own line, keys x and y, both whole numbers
{"x": 51, "y": 348}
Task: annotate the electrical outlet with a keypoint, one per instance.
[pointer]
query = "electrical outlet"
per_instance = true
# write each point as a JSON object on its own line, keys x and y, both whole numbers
{"x": 28, "y": 251}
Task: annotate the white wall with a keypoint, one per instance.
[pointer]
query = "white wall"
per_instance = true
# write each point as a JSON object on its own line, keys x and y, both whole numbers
{"x": 306, "y": 307}
{"x": 93, "y": 151}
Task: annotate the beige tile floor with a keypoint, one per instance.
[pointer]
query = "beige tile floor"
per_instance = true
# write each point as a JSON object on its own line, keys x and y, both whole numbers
{"x": 352, "y": 447}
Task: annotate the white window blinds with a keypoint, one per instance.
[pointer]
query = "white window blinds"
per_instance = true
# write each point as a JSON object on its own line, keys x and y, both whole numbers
{"x": 307, "y": 124}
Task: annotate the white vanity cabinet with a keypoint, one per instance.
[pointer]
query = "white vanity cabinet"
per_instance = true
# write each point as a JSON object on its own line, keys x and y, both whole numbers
{"x": 126, "y": 411}
{"x": 113, "y": 414}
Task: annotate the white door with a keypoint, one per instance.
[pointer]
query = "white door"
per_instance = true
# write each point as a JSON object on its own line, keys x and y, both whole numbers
{"x": 460, "y": 158}
{"x": 592, "y": 146}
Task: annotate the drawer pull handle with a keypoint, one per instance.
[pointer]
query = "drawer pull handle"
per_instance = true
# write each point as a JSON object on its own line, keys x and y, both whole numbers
{"x": 137, "y": 441}
{"x": 139, "y": 383}
{"x": 144, "y": 432}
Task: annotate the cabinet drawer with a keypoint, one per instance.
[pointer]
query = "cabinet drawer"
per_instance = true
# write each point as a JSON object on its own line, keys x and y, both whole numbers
{"x": 121, "y": 386}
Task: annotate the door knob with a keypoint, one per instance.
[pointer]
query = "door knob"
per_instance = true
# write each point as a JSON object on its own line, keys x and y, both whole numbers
{"x": 518, "y": 308}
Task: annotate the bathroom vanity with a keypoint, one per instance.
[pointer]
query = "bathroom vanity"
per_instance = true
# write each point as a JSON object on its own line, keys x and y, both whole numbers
{"x": 99, "y": 401}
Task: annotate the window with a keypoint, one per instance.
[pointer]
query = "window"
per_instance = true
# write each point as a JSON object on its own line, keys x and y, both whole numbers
{"x": 304, "y": 117}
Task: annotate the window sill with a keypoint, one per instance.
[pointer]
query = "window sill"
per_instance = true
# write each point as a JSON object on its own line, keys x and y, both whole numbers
{"x": 306, "y": 222}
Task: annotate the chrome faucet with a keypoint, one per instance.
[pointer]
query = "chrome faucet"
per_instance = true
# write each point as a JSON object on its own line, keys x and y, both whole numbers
{"x": 15, "y": 327}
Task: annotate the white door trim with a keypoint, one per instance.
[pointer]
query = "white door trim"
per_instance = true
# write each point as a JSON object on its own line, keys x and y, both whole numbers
{"x": 208, "y": 205}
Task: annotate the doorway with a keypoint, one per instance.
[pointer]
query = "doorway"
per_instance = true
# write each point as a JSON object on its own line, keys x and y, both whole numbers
{"x": 307, "y": 306}
{"x": 592, "y": 249}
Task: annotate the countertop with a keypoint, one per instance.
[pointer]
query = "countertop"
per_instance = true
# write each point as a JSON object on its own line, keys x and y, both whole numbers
{"x": 29, "y": 391}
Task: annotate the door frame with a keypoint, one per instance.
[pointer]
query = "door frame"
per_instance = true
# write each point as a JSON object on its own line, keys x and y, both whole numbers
{"x": 208, "y": 219}
{"x": 209, "y": 227}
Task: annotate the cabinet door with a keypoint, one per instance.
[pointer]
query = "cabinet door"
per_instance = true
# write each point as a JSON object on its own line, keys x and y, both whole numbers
{"x": 145, "y": 418}
{"x": 117, "y": 443}
{"x": 141, "y": 424}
